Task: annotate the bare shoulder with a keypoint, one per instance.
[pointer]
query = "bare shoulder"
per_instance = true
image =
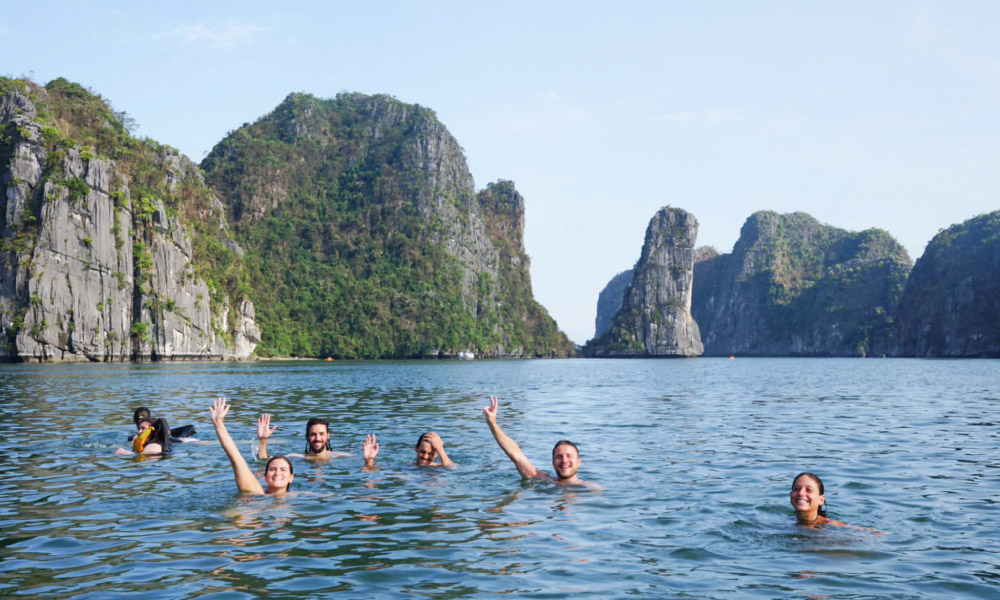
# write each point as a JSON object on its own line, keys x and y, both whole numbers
{"x": 854, "y": 527}
{"x": 590, "y": 486}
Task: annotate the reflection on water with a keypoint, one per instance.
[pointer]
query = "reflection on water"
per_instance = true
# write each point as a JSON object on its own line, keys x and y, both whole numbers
{"x": 695, "y": 458}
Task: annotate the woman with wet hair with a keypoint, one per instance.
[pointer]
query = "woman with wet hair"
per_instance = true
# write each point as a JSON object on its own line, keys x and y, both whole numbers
{"x": 278, "y": 473}
{"x": 809, "y": 502}
{"x": 183, "y": 433}
{"x": 153, "y": 437}
{"x": 430, "y": 447}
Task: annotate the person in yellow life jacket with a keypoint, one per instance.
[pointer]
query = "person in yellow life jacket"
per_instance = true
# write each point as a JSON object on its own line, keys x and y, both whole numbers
{"x": 139, "y": 441}
{"x": 184, "y": 433}
{"x": 153, "y": 438}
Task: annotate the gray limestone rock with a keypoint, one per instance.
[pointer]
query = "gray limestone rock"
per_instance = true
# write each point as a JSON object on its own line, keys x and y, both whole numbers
{"x": 69, "y": 289}
{"x": 610, "y": 300}
{"x": 655, "y": 317}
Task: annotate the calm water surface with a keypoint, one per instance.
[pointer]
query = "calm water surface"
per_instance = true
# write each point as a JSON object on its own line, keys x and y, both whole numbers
{"x": 695, "y": 457}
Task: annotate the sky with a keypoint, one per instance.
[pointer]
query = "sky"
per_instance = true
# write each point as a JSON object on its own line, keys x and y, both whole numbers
{"x": 862, "y": 114}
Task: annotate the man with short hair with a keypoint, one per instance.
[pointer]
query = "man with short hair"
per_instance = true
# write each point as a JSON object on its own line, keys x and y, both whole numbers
{"x": 565, "y": 455}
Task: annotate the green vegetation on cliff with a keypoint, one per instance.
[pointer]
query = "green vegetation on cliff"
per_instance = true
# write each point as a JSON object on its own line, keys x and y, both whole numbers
{"x": 951, "y": 306}
{"x": 793, "y": 286}
{"x": 525, "y": 321}
{"x": 360, "y": 223}
{"x": 75, "y": 119}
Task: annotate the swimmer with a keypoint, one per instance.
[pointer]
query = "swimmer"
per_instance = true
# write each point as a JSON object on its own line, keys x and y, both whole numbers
{"x": 565, "y": 455}
{"x": 429, "y": 447}
{"x": 278, "y": 474}
{"x": 178, "y": 434}
{"x": 317, "y": 439}
{"x": 153, "y": 437}
{"x": 140, "y": 414}
{"x": 810, "y": 504}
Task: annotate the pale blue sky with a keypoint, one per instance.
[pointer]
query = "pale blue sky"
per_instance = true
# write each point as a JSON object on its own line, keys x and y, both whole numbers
{"x": 862, "y": 114}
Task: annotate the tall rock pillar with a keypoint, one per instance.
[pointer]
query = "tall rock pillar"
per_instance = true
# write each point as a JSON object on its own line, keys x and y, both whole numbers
{"x": 655, "y": 318}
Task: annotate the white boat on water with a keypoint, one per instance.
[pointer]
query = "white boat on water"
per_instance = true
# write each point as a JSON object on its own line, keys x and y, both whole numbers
{"x": 464, "y": 355}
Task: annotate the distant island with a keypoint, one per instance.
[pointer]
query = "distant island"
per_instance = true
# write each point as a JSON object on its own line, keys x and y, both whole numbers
{"x": 795, "y": 287}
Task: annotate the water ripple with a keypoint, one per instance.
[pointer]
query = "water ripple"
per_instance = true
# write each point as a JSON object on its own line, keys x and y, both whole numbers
{"x": 695, "y": 458}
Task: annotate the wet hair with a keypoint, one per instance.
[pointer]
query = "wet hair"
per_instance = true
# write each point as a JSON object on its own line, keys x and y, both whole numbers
{"x": 421, "y": 440}
{"x": 564, "y": 443}
{"x": 291, "y": 469}
{"x": 309, "y": 424}
{"x": 819, "y": 482}
{"x": 140, "y": 413}
{"x": 160, "y": 435}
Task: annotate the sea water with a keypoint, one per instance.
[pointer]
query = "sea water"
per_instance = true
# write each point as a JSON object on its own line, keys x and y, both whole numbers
{"x": 695, "y": 459}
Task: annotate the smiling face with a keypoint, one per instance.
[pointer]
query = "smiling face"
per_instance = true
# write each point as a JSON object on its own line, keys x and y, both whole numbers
{"x": 807, "y": 497}
{"x": 565, "y": 461}
{"x": 317, "y": 436}
{"x": 425, "y": 454}
{"x": 278, "y": 475}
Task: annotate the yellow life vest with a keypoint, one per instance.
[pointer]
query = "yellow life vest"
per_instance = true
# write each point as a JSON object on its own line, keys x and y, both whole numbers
{"x": 139, "y": 441}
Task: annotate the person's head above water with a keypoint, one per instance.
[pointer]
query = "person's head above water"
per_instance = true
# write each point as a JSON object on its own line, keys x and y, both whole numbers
{"x": 429, "y": 448}
{"x": 565, "y": 455}
{"x": 565, "y": 459}
{"x": 807, "y": 497}
{"x": 153, "y": 436}
{"x": 425, "y": 451}
{"x": 317, "y": 436}
{"x": 142, "y": 413}
{"x": 278, "y": 474}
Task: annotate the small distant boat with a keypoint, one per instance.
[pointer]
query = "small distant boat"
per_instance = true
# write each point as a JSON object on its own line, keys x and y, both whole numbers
{"x": 464, "y": 355}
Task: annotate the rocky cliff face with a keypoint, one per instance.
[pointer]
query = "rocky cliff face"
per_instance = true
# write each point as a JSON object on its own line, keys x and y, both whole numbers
{"x": 951, "y": 306}
{"x": 370, "y": 201}
{"x": 94, "y": 264}
{"x": 655, "y": 316}
{"x": 795, "y": 287}
{"x": 609, "y": 301}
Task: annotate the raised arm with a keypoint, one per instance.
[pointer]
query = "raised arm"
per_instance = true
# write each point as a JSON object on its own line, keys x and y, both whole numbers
{"x": 264, "y": 431}
{"x": 370, "y": 450}
{"x": 245, "y": 480}
{"x": 509, "y": 446}
{"x": 438, "y": 444}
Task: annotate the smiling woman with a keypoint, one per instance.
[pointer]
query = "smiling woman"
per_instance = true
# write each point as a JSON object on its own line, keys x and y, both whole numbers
{"x": 278, "y": 474}
{"x": 809, "y": 502}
